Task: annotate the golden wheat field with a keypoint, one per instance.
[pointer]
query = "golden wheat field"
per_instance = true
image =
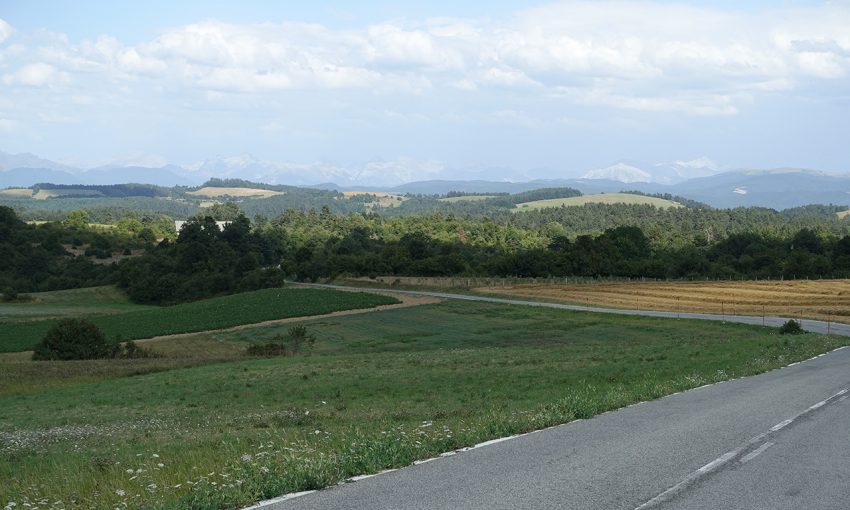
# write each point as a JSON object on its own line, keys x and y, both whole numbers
{"x": 217, "y": 191}
{"x": 814, "y": 299}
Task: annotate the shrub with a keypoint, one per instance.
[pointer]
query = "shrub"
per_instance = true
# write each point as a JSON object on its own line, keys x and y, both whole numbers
{"x": 284, "y": 345}
{"x": 791, "y": 327}
{"x": 73, "y": 339}
{"x": 10, "y": 294}
{"x": 132, "y": 350}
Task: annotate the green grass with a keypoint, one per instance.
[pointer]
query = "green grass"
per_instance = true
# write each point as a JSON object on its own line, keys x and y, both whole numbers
{"x": 215, "y": 313}
{"x": 602, "y": 198}
{"x": 69, "y": 303}
{"x": 379, "y": 391}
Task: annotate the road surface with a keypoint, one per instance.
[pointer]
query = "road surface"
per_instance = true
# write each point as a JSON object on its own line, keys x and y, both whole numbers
{"x": 773, "y": 441}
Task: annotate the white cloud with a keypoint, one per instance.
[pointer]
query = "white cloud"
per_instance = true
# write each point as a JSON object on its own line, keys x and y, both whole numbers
{"x": 38, "y": 74}
{"x": 647, "y": 56}
{"x": 5, "y": 31}
{"x": 7, "y": 124}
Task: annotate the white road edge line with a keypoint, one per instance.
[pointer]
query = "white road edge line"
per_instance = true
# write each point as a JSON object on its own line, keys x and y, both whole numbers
{"x": 734, "y": 454}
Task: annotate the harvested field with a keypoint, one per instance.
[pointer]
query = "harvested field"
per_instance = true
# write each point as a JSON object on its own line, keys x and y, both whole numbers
{"x": 814, "y": 299}
{"x": 16, "y": 192}
{"x": 379, "y": 194}
{"x": 383, "y": 199}
{"x": 602, "y": 198}
{"x": 212, "y": 192}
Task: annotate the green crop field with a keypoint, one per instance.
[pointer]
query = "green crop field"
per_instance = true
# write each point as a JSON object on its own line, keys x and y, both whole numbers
{"x": 208, "y": 314}
{"x": 602, "y": 198}
{"x": 69, "y": 303}
{"x": 378, "y": 391}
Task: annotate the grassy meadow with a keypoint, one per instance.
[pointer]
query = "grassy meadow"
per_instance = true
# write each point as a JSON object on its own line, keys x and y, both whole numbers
{"x": 379, "y": 390}
{"x": 145, "y": 322}
{"x": 91, "y": 301}
{"x": 602, "y": 198}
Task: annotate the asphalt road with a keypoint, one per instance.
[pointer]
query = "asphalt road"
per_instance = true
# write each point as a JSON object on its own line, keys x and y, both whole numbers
{"x": 776, "y": 440}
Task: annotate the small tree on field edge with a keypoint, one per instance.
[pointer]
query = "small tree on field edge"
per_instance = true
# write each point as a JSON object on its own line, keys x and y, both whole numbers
{"x": 73, "y": 339}
{"x": 291, "y": 344}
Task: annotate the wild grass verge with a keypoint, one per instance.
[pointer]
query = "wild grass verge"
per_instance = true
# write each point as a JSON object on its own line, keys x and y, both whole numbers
{"x": 379, "y": 391}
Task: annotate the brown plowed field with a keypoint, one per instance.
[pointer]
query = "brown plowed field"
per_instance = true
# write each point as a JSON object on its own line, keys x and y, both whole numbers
{"x": 815, "y": 299}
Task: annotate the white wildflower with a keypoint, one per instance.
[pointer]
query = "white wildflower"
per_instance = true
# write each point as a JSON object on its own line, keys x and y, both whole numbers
{"x": 119, "y": 492}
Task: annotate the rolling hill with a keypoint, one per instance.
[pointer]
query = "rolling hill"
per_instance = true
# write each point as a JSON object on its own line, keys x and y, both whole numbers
{"x": 603, "y": 198}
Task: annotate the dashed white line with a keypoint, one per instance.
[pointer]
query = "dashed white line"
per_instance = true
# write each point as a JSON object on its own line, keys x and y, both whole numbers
{"x": 729, "y": 456}
{"x": 781, "y": 425}
{"x": 755, "y": 453}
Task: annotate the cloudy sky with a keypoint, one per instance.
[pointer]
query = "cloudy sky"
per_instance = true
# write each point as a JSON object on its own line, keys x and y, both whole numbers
{"x": 541, "y": 89}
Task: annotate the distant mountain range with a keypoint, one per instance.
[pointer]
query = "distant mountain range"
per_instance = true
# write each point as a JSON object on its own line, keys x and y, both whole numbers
{"x": 775, "y": 189}
{"x": 700, "y": 179}
{"x": 661, "y": 173}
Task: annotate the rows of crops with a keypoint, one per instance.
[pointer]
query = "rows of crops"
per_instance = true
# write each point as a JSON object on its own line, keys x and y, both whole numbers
{"x": 209, "y": 314}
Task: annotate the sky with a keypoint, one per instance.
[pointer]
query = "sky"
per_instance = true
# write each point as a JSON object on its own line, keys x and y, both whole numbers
{"x": 438, "y": 89}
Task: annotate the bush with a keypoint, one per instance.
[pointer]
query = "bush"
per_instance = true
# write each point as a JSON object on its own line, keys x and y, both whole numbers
{"x": 73, "y": 339}
{"x": 791, "y": 327}
{"x": 284, "y": 345}
{"x": 132, "y": 350}
{"x": 10, "y": 294}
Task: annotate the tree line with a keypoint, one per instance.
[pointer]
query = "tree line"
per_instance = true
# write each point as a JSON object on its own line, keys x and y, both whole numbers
{"x": 636, "y": 241}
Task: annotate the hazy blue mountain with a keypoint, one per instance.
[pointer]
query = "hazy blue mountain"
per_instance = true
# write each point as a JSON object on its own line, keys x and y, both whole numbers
{"x": 26, "y": 177}
{"x": 170, "y": 175}
{"x": 27, "y": 160}
{"x": 777, "y": 189}
{"x": 587, "y": 186}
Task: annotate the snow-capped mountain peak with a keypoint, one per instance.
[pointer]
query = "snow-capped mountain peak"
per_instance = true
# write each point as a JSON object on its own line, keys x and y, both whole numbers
{"x": 622, "y": 172}
{"x": 702, "y": 162}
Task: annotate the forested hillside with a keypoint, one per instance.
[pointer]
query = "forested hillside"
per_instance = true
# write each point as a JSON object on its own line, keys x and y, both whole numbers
{"x": 421, "y": 236}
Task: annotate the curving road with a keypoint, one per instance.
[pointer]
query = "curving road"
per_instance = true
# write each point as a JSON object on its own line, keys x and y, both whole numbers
{"x": 778, "y": 440}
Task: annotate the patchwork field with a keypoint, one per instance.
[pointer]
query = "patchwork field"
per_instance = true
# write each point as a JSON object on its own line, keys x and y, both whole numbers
{"x": 379, "y": 390}
{"x": 208, "y": 314}
{"x": 603, "y": 198}
{"x": 44, "y": 194}
{"x": 214, "y": 192}
{"x": 815, "y": 299}
{"x": 383, "y": 199}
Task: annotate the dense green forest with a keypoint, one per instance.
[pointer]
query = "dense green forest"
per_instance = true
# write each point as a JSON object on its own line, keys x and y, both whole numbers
{"x": 327, "y": 235}
{"x": 39, "y": 257}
